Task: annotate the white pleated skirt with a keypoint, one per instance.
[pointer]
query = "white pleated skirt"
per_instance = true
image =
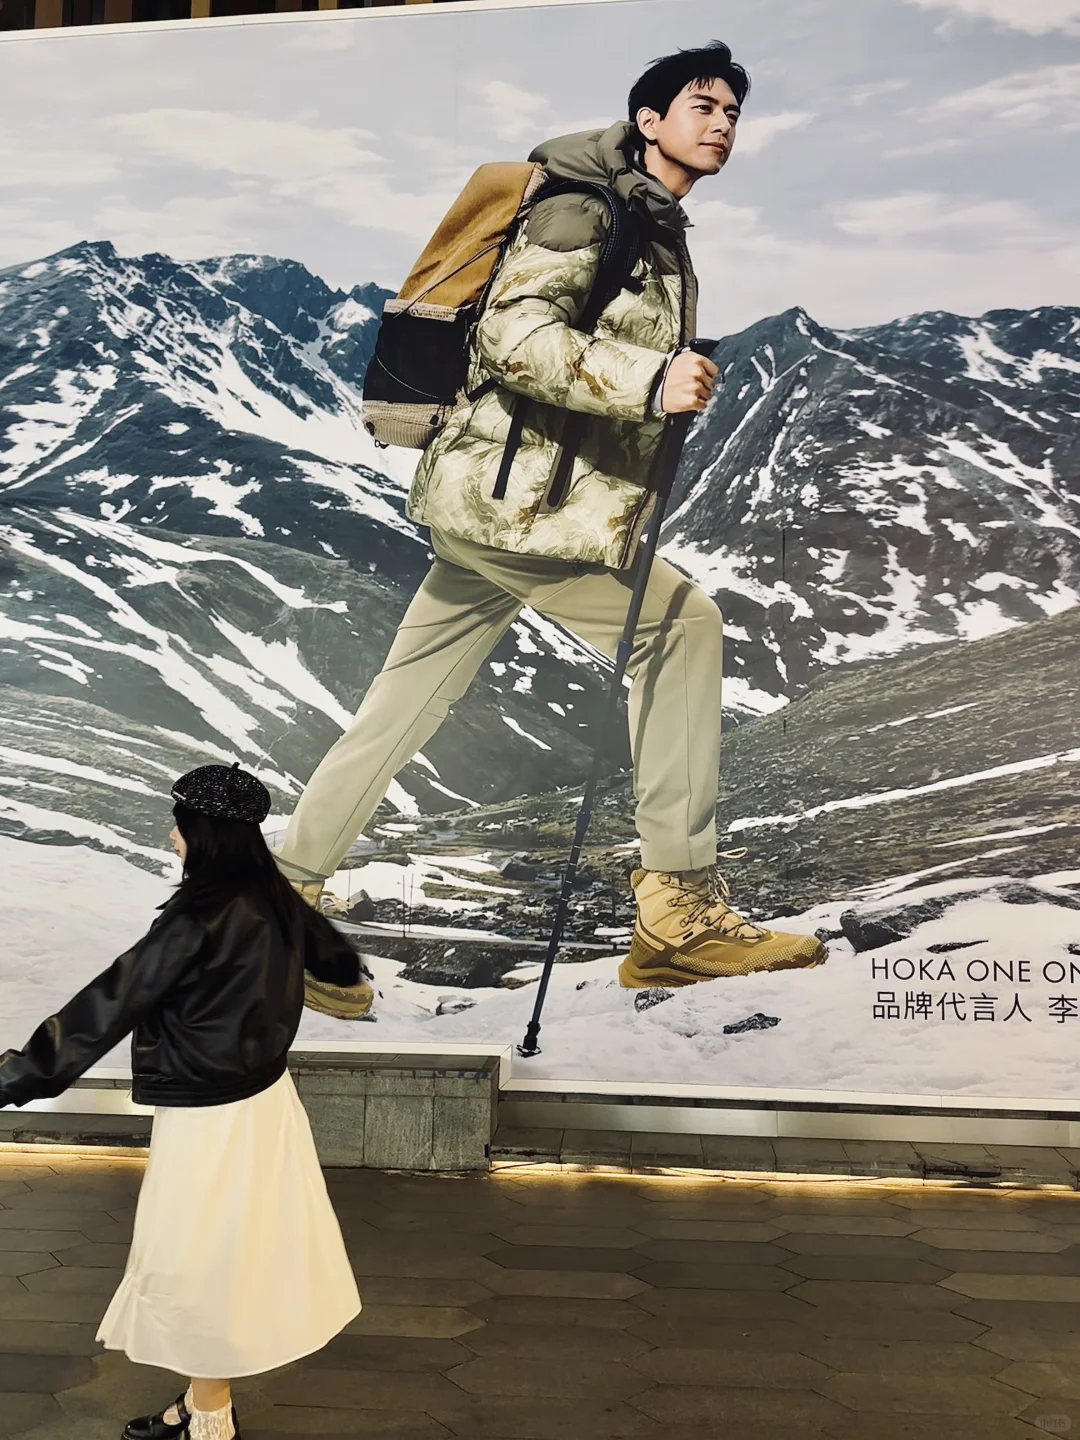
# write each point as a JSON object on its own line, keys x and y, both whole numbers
{"x": 237, "y": 1264}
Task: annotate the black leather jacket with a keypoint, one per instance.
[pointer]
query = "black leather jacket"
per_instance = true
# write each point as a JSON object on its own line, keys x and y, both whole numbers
{"x": 214, "y": 1001}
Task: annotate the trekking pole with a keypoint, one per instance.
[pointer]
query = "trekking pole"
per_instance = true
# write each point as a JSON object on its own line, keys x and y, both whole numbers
{"x": 674, "y": 438}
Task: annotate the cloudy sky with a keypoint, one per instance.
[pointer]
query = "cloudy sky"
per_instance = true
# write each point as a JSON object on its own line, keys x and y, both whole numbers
{"x": 896, "y": 155}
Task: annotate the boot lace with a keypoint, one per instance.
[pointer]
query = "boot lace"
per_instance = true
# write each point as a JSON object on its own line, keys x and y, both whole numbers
{"x": 705, "y": 902}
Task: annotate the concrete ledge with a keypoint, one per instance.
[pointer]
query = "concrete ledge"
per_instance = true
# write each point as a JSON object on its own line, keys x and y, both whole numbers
{"x": 642, "y": 1152}
{"x": 387, "y": 1112}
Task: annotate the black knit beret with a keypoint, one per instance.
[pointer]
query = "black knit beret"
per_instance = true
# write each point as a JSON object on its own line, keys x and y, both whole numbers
{"x": 224, "y": 793}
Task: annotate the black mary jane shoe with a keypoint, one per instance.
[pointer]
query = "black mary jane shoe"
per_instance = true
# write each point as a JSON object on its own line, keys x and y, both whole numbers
{"x": 156, "y": 1427}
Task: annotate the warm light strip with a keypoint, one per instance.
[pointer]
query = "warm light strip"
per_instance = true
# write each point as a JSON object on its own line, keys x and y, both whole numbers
{"x": 526, "y": 1169}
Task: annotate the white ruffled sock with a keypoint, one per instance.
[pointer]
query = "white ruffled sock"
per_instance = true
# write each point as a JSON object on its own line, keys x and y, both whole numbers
{"x": 172, "y": 1414}
{"x": 212, "y": 1424}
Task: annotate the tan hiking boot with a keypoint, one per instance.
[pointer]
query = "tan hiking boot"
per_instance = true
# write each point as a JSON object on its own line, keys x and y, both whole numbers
{"x": 343, "y": 1002}
{"x": 687, "y": 932}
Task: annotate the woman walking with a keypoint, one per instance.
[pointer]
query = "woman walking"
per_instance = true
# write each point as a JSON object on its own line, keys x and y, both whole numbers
{"x": 237, "y": 1265}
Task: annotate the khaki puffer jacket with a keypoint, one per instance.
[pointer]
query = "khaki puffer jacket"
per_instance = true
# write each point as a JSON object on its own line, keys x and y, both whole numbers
{"x": 526, "y": 342}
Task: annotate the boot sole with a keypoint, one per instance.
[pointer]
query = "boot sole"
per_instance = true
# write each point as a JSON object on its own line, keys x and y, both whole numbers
{"x": 641, "y": 970}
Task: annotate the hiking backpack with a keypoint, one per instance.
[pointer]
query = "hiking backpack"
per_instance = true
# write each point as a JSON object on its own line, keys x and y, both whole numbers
{"x": 418, "y": 373}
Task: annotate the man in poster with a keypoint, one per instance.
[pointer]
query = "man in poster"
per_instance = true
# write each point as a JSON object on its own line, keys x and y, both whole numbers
{"x": 566, "y": 548}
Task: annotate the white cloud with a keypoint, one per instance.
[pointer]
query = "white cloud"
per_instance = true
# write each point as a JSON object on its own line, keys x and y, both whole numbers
{"x": 32, "y": 157}
{"x": 324, "y": 34}
{"x": 510, "y": 113}
{"x": 322, "y": 168}
{"x": 1035, "y": 17}
{"x": 189, "y": 226}
{"x": 755, "y": 132}
{"x": 895, "y": 217}
{"x": 1047, "y": 96}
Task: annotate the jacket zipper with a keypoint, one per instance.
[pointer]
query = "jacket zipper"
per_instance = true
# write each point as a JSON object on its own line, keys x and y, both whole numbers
{"x": 631, "y": 537}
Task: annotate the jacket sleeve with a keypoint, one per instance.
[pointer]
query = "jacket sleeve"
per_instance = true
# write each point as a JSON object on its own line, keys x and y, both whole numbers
{"x": 525, "y": 337}
{"x": 327, "y": 953}
{"x": 101, "y": 1014}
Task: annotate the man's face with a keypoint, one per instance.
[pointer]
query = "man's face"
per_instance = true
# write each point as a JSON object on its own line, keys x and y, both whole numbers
{"x": 698, "y": 131}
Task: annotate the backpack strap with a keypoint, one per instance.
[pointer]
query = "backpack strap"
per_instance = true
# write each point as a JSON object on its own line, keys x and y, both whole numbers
{"x": 619, "y": 253}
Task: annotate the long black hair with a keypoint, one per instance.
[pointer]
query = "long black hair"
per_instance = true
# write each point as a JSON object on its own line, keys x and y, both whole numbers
{"x": 226, "y": 858}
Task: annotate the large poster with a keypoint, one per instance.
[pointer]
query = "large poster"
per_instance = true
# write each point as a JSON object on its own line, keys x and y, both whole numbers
{"x": 204, "y": 557}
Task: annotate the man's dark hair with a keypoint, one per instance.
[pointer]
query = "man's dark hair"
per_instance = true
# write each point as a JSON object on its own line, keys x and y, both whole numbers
{"x": 668, "y": 77}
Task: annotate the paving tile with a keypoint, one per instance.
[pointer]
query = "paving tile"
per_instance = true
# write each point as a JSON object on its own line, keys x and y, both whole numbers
{"x": 334, "y": 1424}
{"x": 954, "y": 1219}
{"x": 744, "y": 1334}
{"x": 824, "y": 1223}
{"x": 864, "y": 1267}
{"x": 362, "y": 1389}
{"x": 43, "y": 1374}
{"x": 714, "y": 1252}
{"x": 389, "y": 1352}
{"x": 1051, "y": 1417}
{"x": 556, "y": 1310}
{"x": 562, "y": 1378}
{"x": 1049, "y": 1317}
{"x": 52, "y": 1220}
{"x": 25, "y": 1262}
{"x": 715, "y": 1277}
{"x": 434, "y": 1322}
{"x": 904, "y": 1357}
{"x": 45, "y": 1337}
{"x": 544, "y": 1257}
{"x": 868, "y": 1295}
{"x": 594, "y": 1237}
{"x": 871, "y": 1426}
{"x": 929, "y": 1394}
{"x": 570, "y": 1342}
{"x": 884, "y": 1247}
{"x": 738, "y": 1369}
{"x": 1020, "y": 1344}
{"x": 1043, "y": 1378}
{"x": 1008, "y": 1262}
{"x": 1031, "y": 1242}
{"x": 932, "y": 1326}
{"x": 43, "y": 1306}
{"x": 708, "y": 1230}
{"x": 572, "y": 1284}
{"x": 93, "y": 1255}
{"x": 378, "y": 1290}
{"x": 74, "y": 1280}
{"x": 19, "y": 1411}
{"x": 506, "y": 1417}
{"x": 1054, "y": 1288}
{"x": 711, "y": 1306}
{"x": 721, "y": 1407}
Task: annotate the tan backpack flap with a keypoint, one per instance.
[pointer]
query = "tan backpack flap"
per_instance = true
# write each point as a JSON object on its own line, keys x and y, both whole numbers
{"x": 459, "y": 259}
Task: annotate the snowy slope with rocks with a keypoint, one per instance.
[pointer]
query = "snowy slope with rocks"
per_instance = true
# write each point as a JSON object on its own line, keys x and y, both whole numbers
{"x": 851, "y": 495}
{"x": 827, "y": 1037}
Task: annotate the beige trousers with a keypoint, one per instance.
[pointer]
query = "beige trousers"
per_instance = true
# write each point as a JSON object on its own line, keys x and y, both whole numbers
{"x": 464, "y": 606}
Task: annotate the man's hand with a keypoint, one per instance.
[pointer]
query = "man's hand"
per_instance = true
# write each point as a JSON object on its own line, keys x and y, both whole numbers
{"x": 688, "y": 384}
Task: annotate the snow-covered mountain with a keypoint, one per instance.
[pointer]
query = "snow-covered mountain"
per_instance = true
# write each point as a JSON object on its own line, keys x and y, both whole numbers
{"x": 851, "y": 495}
{"x": 204, "y": 554}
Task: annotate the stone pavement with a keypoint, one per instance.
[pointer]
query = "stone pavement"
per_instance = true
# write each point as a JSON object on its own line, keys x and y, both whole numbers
{"x": 536, "y": 1306}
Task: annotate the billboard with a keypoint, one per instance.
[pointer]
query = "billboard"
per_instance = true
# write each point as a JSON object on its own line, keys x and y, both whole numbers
{"x": 204, "y": 557}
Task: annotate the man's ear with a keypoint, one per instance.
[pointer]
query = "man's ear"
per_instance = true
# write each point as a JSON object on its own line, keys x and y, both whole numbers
{"x": 646, "y": 122}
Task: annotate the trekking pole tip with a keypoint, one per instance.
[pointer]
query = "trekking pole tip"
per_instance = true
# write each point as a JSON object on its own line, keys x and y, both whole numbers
{"x": 529, "y": 1047}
